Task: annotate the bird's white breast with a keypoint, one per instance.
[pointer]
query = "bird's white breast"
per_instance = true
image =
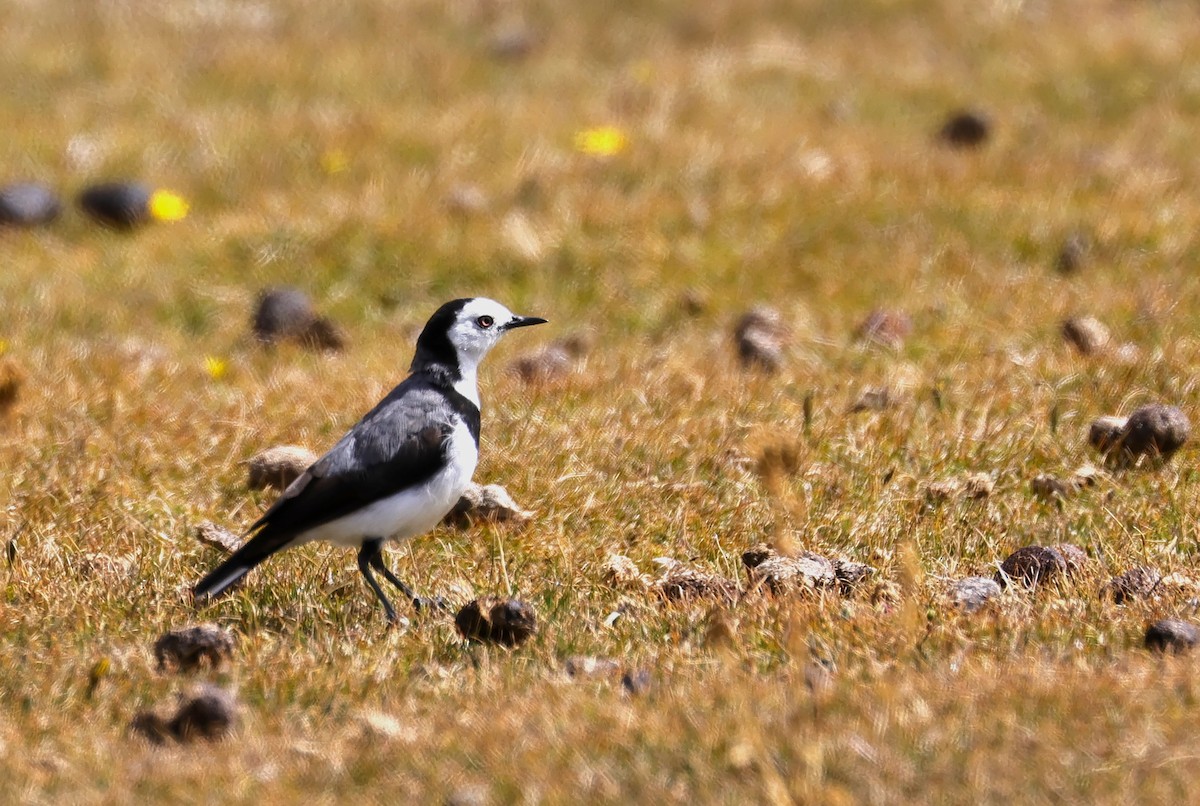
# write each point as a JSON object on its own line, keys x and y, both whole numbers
{"x": 413, "y": 511}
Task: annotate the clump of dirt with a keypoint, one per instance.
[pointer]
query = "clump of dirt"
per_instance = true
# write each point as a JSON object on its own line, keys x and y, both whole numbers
{"x": 278, "y": 467}
{"x": 1152, "y": 432}
{"x": 192, "y": 647}
{"x": 495, "y": 620}
{"x": 209, "y": 713}
{"x": 1032, "y": 566}
{"x": 218, "y": 537}
{"x": 1139, "y": 582}
{"x": 965, "y": 129}
{"x": 286, "y": 314}
{"x": 490, "y": 503}
{"x": 1172, "y": 636}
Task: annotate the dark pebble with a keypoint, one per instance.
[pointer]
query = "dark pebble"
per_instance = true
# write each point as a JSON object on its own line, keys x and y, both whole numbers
{"x": 965, "y": 130}
{"x": 1031, "y": 566}
{"x": 286, "y": 313}
{"x": 1156, "y": 430}
{"x": 210, "y": 714}
{"x": 1073, "y": 254}
{"x": 120, "y": 205}
{"x": 500, "y": 621}
{"x": 973, "y": 593}
{"x": 191, "y": 647}
{"x": 637, "y": 681}
{"x": 1104, "y": 433}
{"x": 1136, "y": 583}
{"x": 1171, "y": 635}
{"x": 26, "y": 204}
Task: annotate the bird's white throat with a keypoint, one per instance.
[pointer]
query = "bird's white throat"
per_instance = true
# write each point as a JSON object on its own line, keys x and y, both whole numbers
{"x": 467, "y": 385}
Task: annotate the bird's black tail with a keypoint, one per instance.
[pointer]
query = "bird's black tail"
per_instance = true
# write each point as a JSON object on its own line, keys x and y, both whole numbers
{"x": 237, "y": 566}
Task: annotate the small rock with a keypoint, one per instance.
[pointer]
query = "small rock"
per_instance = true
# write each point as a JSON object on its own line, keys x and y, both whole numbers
{"x": 886, "y": 328}
{"x": 512, "y": 42}
{"x": 281, "y": 312}
{"x": 1104, "y": 434}
{"x": 622, "y": 572}
{"x": 12, "y": 378}
{"x": 1031, "y": 566}
{"x": 1171, "y": 635}
{"x": 1045, "y": 485}
{"x": 1126, "y": 354}
{"x": 965, "y": 129}
{"x": 210, "y": 713}
{"x": 1136, "y": 583}
{"x": 27, "y": 204}
{"x": 681, "y": 583}
{"x": 637, "y": 682}
{"x": 466, "y": 201}
{"x": 119, "y": 205}
{"x": 782, "y": 575}
{"x": 469, "y": 796}
{"x": 1177, "y": 584}
{"x": 377, "y": 726}
{"x": 218, "y": 538}
{"x": 1155, "y": 430}
{"x": 1075, "y": 557}
{"x": 490, "y": 503}
{"x": 581, "y": 666}
{"x": 1087, "y": 334}
{"x": 189, "y": 648}
{"x": 875, "y": 398}
{"x": 976, "y": 486}
{"x": 1073, "y": 254}
{"x": 285, "y": 313}
{"x": 755, "y": 556}
{"x": 851, "y": 575}
{"x": 973, "y": 593}
{"x": 759, "y": 336}
{"x": 278, "y": 467}
{"x": 501, "y": 621}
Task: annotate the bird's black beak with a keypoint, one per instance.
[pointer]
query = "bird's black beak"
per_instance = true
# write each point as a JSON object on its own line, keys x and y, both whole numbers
{"x": 523, "y": 321}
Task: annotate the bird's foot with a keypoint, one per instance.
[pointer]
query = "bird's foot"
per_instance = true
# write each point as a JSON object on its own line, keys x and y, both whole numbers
{"x": 427, "y": 604}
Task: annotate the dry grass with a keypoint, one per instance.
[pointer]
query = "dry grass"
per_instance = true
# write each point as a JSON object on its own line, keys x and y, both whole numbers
{"x": 778, "y": 152}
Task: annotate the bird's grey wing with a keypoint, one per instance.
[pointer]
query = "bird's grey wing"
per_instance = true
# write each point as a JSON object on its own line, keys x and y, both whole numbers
{"x": 401, "y": 443}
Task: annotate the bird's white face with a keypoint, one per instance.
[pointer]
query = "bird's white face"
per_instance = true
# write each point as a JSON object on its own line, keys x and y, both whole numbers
{"x": 479, "y": 326}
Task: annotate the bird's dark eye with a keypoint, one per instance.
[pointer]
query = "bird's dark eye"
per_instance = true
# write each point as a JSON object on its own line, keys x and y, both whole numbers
{"x": 485, "y": 322}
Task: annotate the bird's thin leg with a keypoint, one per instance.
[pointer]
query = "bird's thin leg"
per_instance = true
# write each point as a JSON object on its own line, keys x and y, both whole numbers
{"x": 368, "y": 555}
{"x": 419, "y": 602}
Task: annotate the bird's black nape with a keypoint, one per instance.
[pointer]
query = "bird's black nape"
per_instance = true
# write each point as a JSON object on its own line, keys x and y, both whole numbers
{"x": 433, "y": 345}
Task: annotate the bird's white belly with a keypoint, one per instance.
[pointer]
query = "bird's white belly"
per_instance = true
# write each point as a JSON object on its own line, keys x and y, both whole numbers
{"x": 411, "y": 512}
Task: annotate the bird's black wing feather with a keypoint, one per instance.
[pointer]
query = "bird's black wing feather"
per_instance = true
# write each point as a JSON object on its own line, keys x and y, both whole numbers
{"x": 399, "y": 444}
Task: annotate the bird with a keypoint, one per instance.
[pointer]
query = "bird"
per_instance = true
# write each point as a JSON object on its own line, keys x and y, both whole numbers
{"x": 400, "y": 469}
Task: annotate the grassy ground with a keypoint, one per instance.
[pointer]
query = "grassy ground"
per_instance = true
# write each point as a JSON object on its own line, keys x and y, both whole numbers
{"x": 777, "y": 152}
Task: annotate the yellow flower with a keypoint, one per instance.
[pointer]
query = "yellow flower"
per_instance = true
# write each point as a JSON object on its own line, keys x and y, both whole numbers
{"x": 604, "y": 141}
{"x": 3, "y": 346}
{"x": 167, "y": 206}
{"x": 215, "y": 367}
{"x": 334, "y": 161}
